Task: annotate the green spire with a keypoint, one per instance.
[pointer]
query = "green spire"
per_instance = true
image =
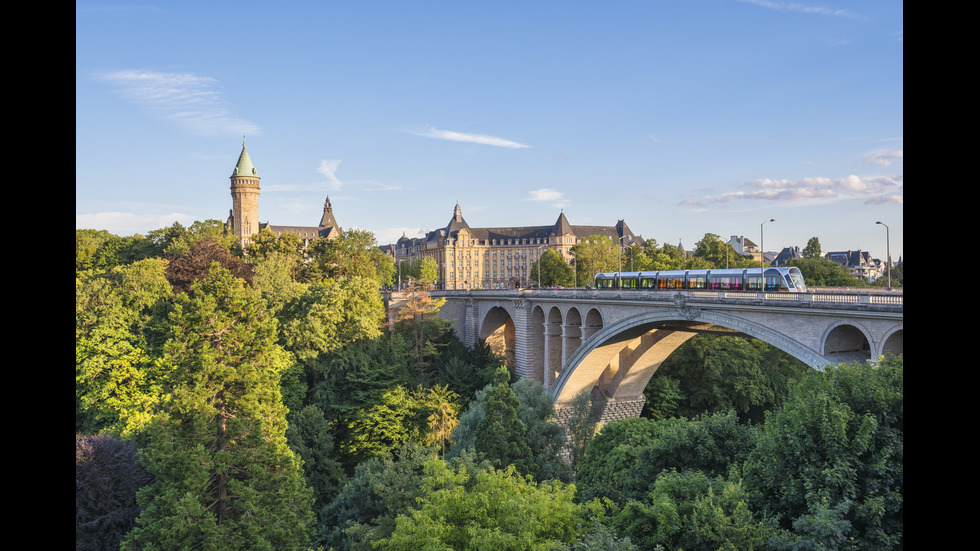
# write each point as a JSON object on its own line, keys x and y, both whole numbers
{"x": 244, "y": 166}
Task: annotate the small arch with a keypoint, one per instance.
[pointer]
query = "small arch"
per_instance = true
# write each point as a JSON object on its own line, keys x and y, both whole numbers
{"x": 846, "y": 342}
{"x": 499, "y": 332}
{"x": 537, "y": 344}
{"x": 894, "y": 344}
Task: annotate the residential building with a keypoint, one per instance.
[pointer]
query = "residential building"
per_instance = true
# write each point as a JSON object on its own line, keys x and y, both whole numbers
{"x": 859, "y": 262}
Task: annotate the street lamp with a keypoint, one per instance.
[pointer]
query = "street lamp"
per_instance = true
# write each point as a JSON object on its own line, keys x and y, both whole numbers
{"x": 762, "y": 253}
{"x": 888, "y": 252}
{"x": 620, "y": 243}
{"x": 538, "y": 253}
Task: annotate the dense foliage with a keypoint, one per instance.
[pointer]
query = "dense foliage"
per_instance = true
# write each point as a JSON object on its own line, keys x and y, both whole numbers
{"x": 258, "y": 398}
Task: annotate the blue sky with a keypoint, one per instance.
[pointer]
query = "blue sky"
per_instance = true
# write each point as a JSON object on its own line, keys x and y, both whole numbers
{"x": 682, "y": 118}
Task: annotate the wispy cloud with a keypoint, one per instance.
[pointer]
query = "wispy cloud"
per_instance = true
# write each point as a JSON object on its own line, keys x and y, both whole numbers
{"x": 187, "y": 100}
{"x": 128, "y": 223}
{"x": 329, "y": 169}
{"x": 468, "y": 138}
{"x": 884, "y": 159}
{"x": 553, "y": 196}
{"x": 820, "y": 189}
{"x": 803, "y": 8}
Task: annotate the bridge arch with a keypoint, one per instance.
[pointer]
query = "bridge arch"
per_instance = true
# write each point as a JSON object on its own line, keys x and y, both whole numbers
{"x": 499, "y": 332}
{"x": 846, "y": 341}
{"x": 623, "y": 356}
{"x": 894, "y": 342}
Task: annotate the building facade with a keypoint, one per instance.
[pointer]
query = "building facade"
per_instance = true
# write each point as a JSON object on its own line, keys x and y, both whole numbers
{"x": 243, "y": 219}
{"x": 495, "y": 258}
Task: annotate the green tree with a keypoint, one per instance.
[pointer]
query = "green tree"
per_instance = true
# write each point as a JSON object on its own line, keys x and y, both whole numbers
{"x": 487, "y": 509}
{"x": 812, "y": 249}
{"x": 309, "y": 436}
{"x": 820, "y": 272}
{"x": 380, "y": 489}
{"x": 714, "y": 252}
{"x": 596, "y": 254}
{"x": 717, "y": 373}
{"x": 399, "y": 416}
{"x": 554, "y": 270}
{"x": 829, "y": 463}
{"x": 119, "y": 326}
{"x": 622, "y": 464}
{"x": 428, "y": 271}
{"x": 500, "y": 435}
{"x": 217, "y": 447}
{"x": 329, "y": 315}
{"x": 693, "y": 511}
{"x": 354, "y": 253}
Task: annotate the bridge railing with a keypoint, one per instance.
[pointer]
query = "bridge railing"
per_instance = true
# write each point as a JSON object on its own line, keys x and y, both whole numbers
{"x": 823, "y": 296}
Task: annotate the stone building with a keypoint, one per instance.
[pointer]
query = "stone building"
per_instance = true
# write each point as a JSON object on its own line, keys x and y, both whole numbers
{"x": 243, "y": 219}
{"x": 493, "y": 258}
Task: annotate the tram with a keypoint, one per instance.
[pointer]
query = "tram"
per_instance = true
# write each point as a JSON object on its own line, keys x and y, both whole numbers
{"x": 786, "y": 280}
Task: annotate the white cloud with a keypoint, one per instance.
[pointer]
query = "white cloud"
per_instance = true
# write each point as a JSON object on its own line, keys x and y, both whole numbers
{"x": 469, "y": 138}
{"x": 554, "y": 196}
{"x": 809, "y": 189}
{"x": 187, "y": 100}
{"x": 329, "y": 169}
{"x": 128, "y": 223}
{"x": 545, "y": 194}
{"x": 803, "y": 8}
{"x": 884, "y": 159}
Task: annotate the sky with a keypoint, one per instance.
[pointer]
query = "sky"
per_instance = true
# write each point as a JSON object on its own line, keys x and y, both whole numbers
{"x": 681, "y": 118}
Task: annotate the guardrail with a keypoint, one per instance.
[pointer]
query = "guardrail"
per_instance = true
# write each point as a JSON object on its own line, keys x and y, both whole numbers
{"x": 824, "y": 296}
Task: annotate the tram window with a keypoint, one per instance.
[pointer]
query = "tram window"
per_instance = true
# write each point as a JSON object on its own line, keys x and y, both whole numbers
{"x": 671, "y": 283}
{"x": 696, "y": 283}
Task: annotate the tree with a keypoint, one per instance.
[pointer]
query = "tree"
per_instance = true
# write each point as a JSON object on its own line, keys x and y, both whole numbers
{"x": 714, "y": 252}
{"x": 107, "y": 478}
{"x": 595, "y": 254}
{"x": 310, "y": 438}
{"x": 487, "y": 509}
{"x": 419, "y": 318}
{"x": 625, "y": 459}
{"x": 820, "y": 272}
{"x": 217, "y": 447}
{"x": 693, "y": 511}
{"x": 195, "y": 262}
{"x": 812, "y": 249}
{"x": 716, "y": 373}
{"x": 428, "y": 271}
{"x": 829, "y": 463}
{"x": 554, "y": 270}
{"x": 354, "y": 253}
{"x": 328, "y": 316}
{"x": 119, "y": 327}
{"x": 500, "y": 435}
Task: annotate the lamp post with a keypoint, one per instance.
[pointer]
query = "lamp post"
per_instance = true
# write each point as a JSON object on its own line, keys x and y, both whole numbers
{"x": 538, "y": 253}
{"x": 888, "y": 252}
{"x": 762, "y": 254}
{"x": 620, "y": 243}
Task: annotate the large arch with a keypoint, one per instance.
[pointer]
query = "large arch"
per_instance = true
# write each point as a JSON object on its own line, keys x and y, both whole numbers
{"x": 633, "y": 348}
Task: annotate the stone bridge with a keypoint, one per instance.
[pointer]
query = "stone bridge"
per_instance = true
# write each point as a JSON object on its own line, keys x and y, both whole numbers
{"x": 611, "y": 342}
